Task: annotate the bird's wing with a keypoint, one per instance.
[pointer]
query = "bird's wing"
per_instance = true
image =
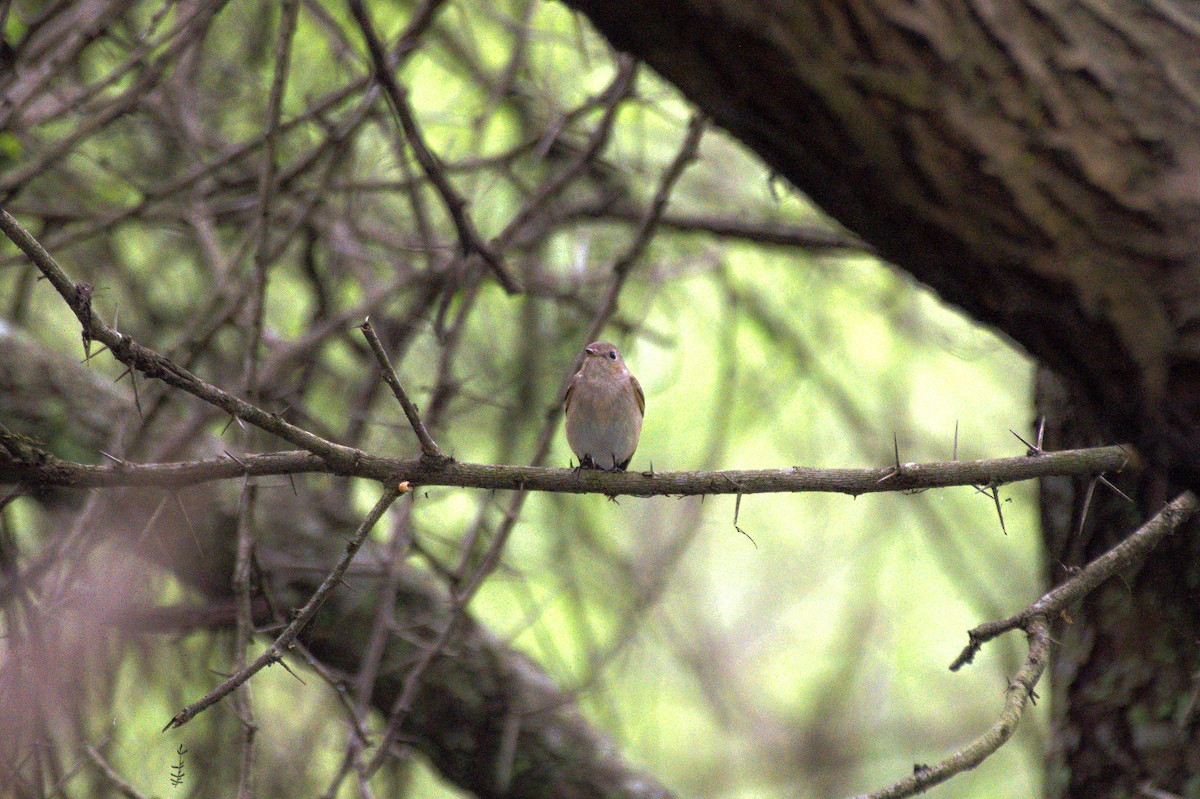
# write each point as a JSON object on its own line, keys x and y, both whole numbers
{"x": 637, "y": 392}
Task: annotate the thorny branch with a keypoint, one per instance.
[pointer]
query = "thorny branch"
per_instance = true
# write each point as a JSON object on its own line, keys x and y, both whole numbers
{"x": 154, "y": 365}
{"x": 32, "y": 465}
{"x": 1034, "y": 620}
{"x": 1130, "y": 552}
{"x": 275, "y": 652}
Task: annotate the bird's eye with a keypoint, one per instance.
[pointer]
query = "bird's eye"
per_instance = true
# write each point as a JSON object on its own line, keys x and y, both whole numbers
{"x": 612, "y": 354}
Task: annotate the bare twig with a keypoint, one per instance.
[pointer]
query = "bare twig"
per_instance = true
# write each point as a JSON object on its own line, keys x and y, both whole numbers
{"x": 1016, "y": 697}
{"x": 468, "y": 237}
{"x": 814, "y": 237}
{"x": 243, "y": 702}
{"x": 429, "y": 447}
{"x": 154, "y": 365}
{"x": 276, "y": 650}
{"x": 1034, "y": 620}
{"x": 1129, "y": 552}
{"x": 110, "y": 774}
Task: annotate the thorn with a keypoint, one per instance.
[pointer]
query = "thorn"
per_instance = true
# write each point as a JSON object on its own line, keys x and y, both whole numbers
{"x": 1120, "y": 493}
{"x": 235, "y": 459}
{"x": 137, "y": 398}
{"x": 999, "y": 512}
{"x": 955, "y": 440}
{"x": 88, "y": 357}
{"x": 1030, "y": 449}
{"x": 897, "y": 470}
{"x": 1041, "y": 431}
{"x": 1087, "y": 502}
{"x": 288, "y": 669}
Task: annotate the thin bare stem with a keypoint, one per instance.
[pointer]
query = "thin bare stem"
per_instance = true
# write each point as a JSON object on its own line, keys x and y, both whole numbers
{"x": 429, "y": 447}
{"x": 110, "y": 774}
{"x": 468, "y": 237}
{"x": 283, "y": 643}
{"x": 1016, "y": 699}
{"x": 1131, "y": 551}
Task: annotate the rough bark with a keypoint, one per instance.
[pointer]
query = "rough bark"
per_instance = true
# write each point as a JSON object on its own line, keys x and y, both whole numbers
{"x": 1123, "y": 676}
{"x": 1037, "y": 165}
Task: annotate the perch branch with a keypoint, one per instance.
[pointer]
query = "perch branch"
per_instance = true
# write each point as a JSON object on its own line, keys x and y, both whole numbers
{"x": 30, "y": 464}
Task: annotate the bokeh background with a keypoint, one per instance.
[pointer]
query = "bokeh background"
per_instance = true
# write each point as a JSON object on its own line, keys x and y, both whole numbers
{"x": 786, "y": 645}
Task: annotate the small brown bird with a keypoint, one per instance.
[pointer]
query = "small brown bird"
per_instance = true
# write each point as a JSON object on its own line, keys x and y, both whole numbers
{"x": 604, "y": 406}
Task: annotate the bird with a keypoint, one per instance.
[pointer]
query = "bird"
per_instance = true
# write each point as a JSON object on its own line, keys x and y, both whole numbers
{"x": 604, "y": 406}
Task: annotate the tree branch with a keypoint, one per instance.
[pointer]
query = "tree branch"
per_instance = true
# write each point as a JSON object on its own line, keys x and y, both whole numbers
{"x": 22, "y": 463}
{"x": 429, "y": 447}
{"x": 1018, "y": 694}
{"x": 468, "y": 236}
{"x": 1034, "y": 620}
{"x": 1131, "y": 551}
{"x": 283, "y": 643}
{"x": 153, "y": 364}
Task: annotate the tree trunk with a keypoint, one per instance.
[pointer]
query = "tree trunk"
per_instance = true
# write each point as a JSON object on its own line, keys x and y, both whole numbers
{"x": 1123, "y": 688}
{"x": 1037, "y": 165}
